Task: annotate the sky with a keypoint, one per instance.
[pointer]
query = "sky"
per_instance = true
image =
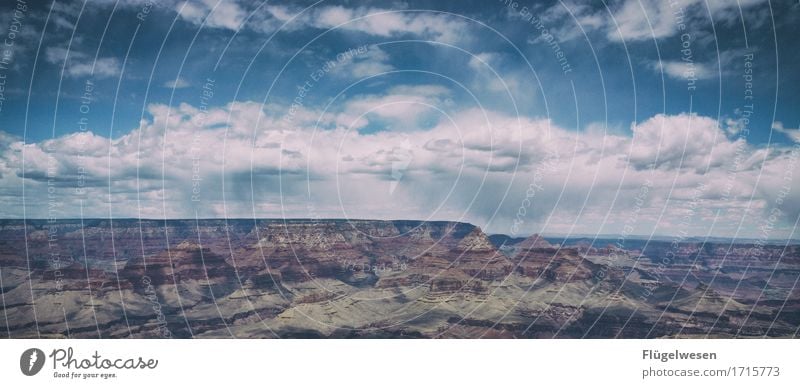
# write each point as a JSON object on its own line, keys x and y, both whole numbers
{"x": 624, "y": 117}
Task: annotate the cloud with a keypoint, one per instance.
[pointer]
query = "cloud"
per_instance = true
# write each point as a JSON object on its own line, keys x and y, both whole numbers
{"x": 373, "y": 21}
{"x": 654, "y": 19}
{"x": 640, "y": 20}
{"x": 680, "y": 141}
{"x": 793, "y": 134}
{"x": 225, "y": 14}
{"x": 79, "y": 64}
{"x": 401, "y": 108}
{"x": 484, "y": 67}
{"x": 498, "y": 77}
{"x": 177, "y": 83}
{"x": 383, "y": 22}
{"x": 243, "y": 159}
{"x": 685, "y": 71}
{"x": 560, "y": 18}
{"x": 727, "y": 62}
{"x": 373, "y": 62}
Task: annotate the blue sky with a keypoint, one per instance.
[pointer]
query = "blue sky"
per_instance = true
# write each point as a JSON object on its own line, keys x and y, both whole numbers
{"x": 432, "y": 111}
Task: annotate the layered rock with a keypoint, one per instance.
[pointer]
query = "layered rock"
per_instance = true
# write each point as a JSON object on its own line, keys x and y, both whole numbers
{"x": 363, "y": 278}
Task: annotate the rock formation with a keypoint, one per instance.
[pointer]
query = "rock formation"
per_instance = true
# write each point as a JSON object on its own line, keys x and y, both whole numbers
{"x": 363, "y": 278}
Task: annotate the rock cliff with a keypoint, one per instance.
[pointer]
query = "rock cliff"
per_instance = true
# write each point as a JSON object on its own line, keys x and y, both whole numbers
{"x": 368, "y": 278}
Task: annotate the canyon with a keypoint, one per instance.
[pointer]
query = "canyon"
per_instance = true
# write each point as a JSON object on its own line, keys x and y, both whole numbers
{"x": 312, "y": 278}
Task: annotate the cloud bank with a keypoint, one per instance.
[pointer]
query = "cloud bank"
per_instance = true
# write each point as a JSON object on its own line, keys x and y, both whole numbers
{"x": 246, "y": 160}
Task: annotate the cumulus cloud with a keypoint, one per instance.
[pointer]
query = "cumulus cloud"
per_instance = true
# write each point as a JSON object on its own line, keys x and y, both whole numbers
{"x": 681, "y": 141}
{"x": 244, "y": 159}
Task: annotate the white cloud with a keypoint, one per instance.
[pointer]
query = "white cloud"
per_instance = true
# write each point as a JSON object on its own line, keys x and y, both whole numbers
{"x": 655, "y": 19}
{"x": 727, "y": 62}
{"x": 639, "y": 20}
{"x": 177, "y": 83}
{"x": 376, "y": 62}
{"x": 685, "y": 71}
{"x": 680, "y": 141}
{"x": 384, "y": 22}
{"x": 504, "y": 82}
{"x": 401, "y": 105}
{"x": 793, "y": 134}
{"x": 216, "y": 13}
{"x": 373, "y": 62}
{"x": 477, "y": 168}
{"x": 647, "y": 19}
{"x": 79, "y": 64}
{"x": 373, "y": 21}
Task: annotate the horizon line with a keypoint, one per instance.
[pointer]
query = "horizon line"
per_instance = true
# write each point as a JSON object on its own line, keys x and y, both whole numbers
{"x": 660, "y": 237}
